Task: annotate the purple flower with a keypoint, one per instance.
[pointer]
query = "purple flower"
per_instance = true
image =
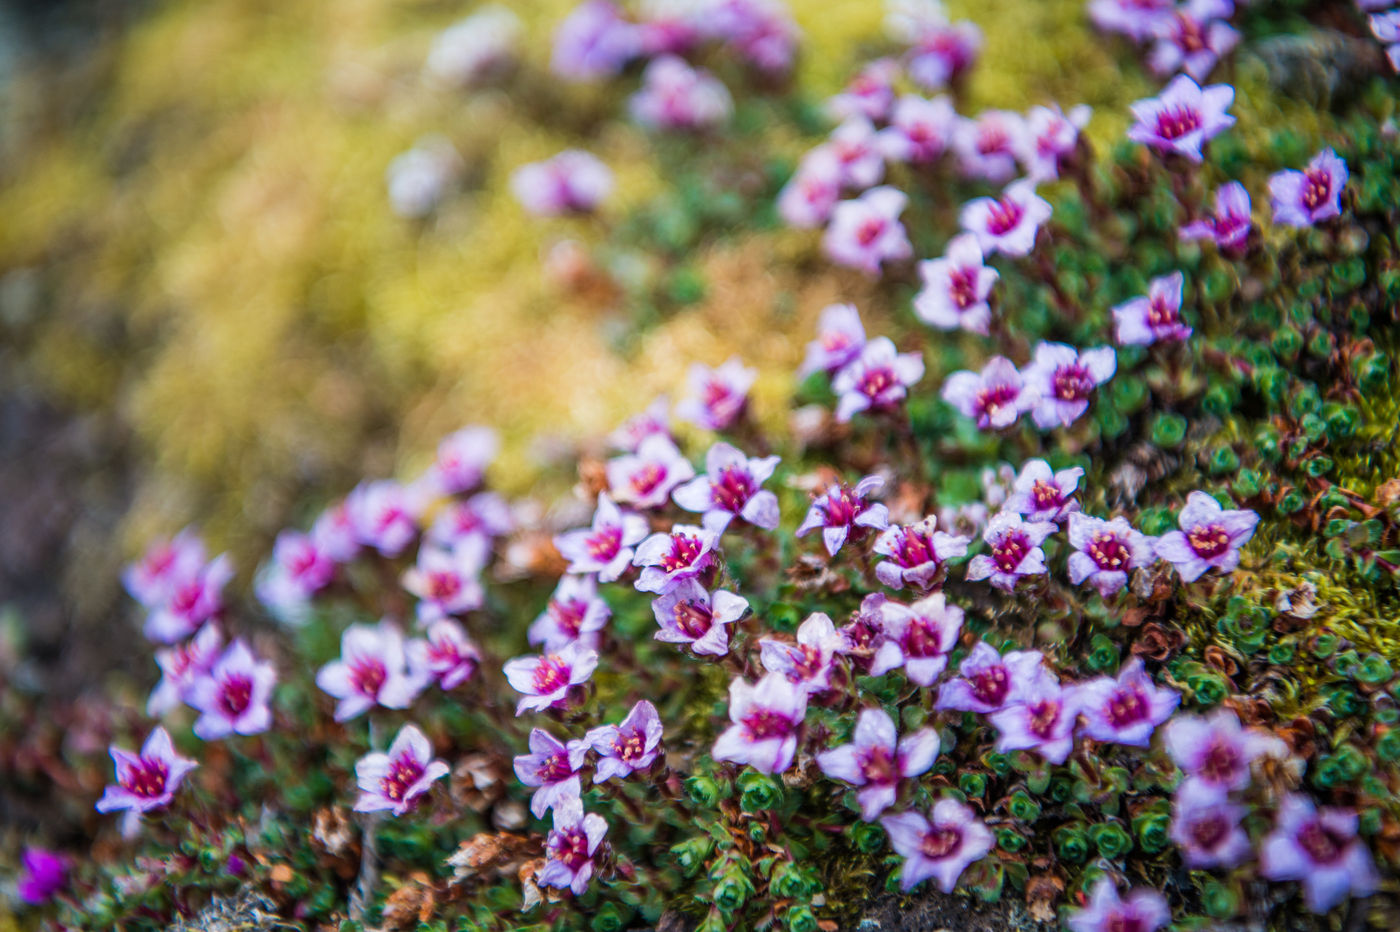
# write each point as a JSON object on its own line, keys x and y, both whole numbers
{"x": 474, "y": 48}
{"x": 629, "y": 746}
{"x": 808, "y": 662}
{"x": 684, "y": 552}
{"x": 334, "y": 533}
{"x": 232, "y": 698}
{"x": 994, "y": 397}
{"x": 956, "y": 287}
{"x": 1207, "y": 828}
{"x": 988, "y": 682}
{"x": 1050, "y": 139}
{"x": 1006, "y": 224}
{"x": 918, "y": 638}
{"x": 644, "y": 479}
{"x": 840, "y": 337}
{"x": 383, "y": 516}
{"x": 943, "y": 52}
{"x": 810, "y": 196}
{"x": 485, "y": 515}
{"x": 575, "y": 614}
{"x": 875, "y": 763}
{"x": 766, "y": 718}
{"x": 1041, "y": 494}
{"x": 688, "y": 614}
{"x": 1318, "y": 847}
{"x": 148, "y": 780}
{"x": 760, "y": 30}
{"x": 42, "y": 874}
{"x": 940, "y": 847}
{"x": 462, "y": 456}
{"x": 1143, "y": 911}
{"x": 572, "y": 182}
{"x": 1104, "y": 552}
{"x": 722, "y": 394}
{"x": 870, "y": 93}
{"x": 876, "y": 380}
{"x": 1301, "y": 199}
{"x": 859, "y": 162}
{"x": 731, "y": 489}
{"x": 916, "y": 553}
{"x": 1015, "y": 550}
{"x": 181, "y": 667}
{"x": 1136, "y": 19}
{"x": 190, "y": 601}
{"x": 165, "y": 565}
{"x": 843, "y": 513}
{"x": 552, "y": 767}
{"x": 419, "y": 179}
{"x": 544, "y": 680}
{"x": 303, "y": 566}
{"x": 1229, "y": 227}
{"x": 570, "y": 847}
{"x": 1193, "y": 38}
{"x": 593, "y": 41}
{"x": 445, "y": 655}
{"x": 1042, "y": 720}
{"x": 448, "y": 582}
{"x": 1157, "y": 316}
{"x": 606, "y": 547}
{"x": 1125, "y": 710}
{"x": 1184, "y": 118}
{"x": 395, "y": 780}
{"x": 1216, "y": 752}
{"x": 675, "y": 96}
{"x": 987, "y": 147}
{"x": 1064, "y": 379}
{"x": 865, "y": 232}
{"x": 656, "y": 419}
{"x": 372, "y": 670}
{"x": 920, "y": 130}
{"x": 1210, "y": 536}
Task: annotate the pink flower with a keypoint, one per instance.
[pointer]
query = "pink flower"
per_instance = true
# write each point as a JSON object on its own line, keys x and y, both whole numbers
{"x": 1157, "y": 316}
{"x": 920, "y": 130}
{"x": 915, "y": 554}
{"x": 1125, "y": 710}
{"x": 372, "y": 670}
{"x": 1050, "y": 139}
{"x": 448, "y": 582}
{"x": 761, "y": 31}
{"x": 956, "y": 287}
{"x": 994, "y": 397}
{"x": 1230, "y": 225}
{"x": 306, "y": 567}
{"x": 628, "y": 747}
{"x": 840, "y": 337}
{"x": 190, "y": 602}
{"x": 675, "y": 96}
{"x": 383, "y": 515}
{"x": 1064, "y": 379}
{"x": 1301, "y": 199}
{"x": 462, "y": 458}
{"x": 1043, "y": 720}
{"x": 593, "y": 41}
{"x": 722, "y": 394}
{"x": 876, "y": 380}
{"x": 1210, "y": 536}
{"x": 918, "y": 638}
{"x": 870, "y": 94}
{"x": 445, "y": 655}
{"x": 988, "y": 682}
{"x": 940, "y": 847}
{"x": 810, "y": 196}
{"x": 1007, "y": 224}
{"x": 544, "y": 680}
{"x": 942, "y": 53}
{"x": 146, "y": 781}
{"x": 987, "y": 146}
{"x": 1042, "y": 494}
{"x": 334, "y": 534}
{"x": 42, "y": 875}
{"x": 1193, "y": 38}
{"x": 865, "y": 232}
{"x": 1318, "y": 847}
{"x": 688, "y": 614}
{"x": 808, "y": 662}
{"x": 656, "y": 419}
{"x": 1104, "y": 552}
{"x": 233, "y": 697}
{"x": 766, "y": 718}
{"x": 684, "y": 552}
{"x": 731, "y": 488}
{"x": 1216, "y": 752}
{"x": 1207, "y": 828}
{"x": 1184, "y": 118}
{"x": 552, "y": 767}
{"x": 1143, "y": 911}
{"x": 571, "y": 846}
{"x": 164, "y": 566}
{"x": 875, "y": 763}
{"x": 572, "y": 182}
{"x": 606, "y": 547}
{"x": 644, "y": 479}
{"x": 1015, "y": 550}
{"x": 181, "y": 667}
{"x": 397, "y": 779}
{"x": 1136, "y": 19}
{"x": 843, "y": 513}
{"x": 859, "y": 162}
{"x": 485, "y": 515}
{"x": 575, "y": 614}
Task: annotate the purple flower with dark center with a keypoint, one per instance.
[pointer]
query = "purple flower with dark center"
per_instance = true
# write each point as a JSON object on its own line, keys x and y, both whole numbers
{"x": 1207, "y": 828}
{"x": 874, "y": 761}
{"x": 684, "y": 552}
{"x": 1303, "y": 198}
{"x": 761, "y": 31}
{"x": 994, "y": 397}
{"x": 731, "y": 488}
{"x": 162, "y": 567}
{"x": 1143, "y": 911}
{"x": 1217, "y": 752}
{"x": 645, "y": 479}
{"x": 876, "y": 380}
{"x": 915, "y": 554}
{"x": 656, "y": 419}
{"x": 593, "y": 41}
{"x": 859, "y": 162}
{"x": 462, "y": 456}
{"x": 943, "y": 52}
{"x": 918, "y": 638}
{"x": 722, "y": 395}
{"x": 544, "y": 680}
{"x": 810, "y": 196}
{"x": 1229, "y": 227}
{"x": 688, "y": 614}
{"x": 334, "y": 533}
{"x": 383, "y": 515}
{"x": 448, "y": 582}
{"x": 575, "y": 614}
{"x": 766, "y": 719}
{"x": 606, "y": 547}
{"x": 865, "y": 233}
{"x": 552, "y": 767}
{"x": 941, "y": 846}
{"x": 181, "y": 667}
{"x": 988, "y": 682}
{"x": 870, "y": 93}
{"x": 1050, "y": 139}
{"x": 1014, "y": 545}
{"x": 372, "y": 670}
{"x": 1064, "y": 379}
{"x": 955, "y": 288}
{"x": 42, "y": 875}
{"x": 1318, "y": 847}
{"x": 1125, "y": 710}
{"x": 572, "y": 182}
{"x": 676, "y": 96}
{"x": 1043, "y": 720}
{"x": 233, "y": 697}
{"x": 444, "y": 655}
{"x": 1183, "y": 118}
{"x": 148, "y": 780}
{"x": 1042, "y": 494}
{"x": 629, "y": 746}
{"x": 843, "y": 513}
{"x": 190, "y": 601}
{"x": 987, "y": 146}
{"x": 1007, "y": 224}
{"x": 1156, "y": 316}
{"x": 571, "y": 846}
{"x": 1136, "y": 19}
{"x": 397, "y": 779}
{"x": 840, "y": 337}
{"x": 808, "y": 662}
{"x": 305, "y": 567}
{"x": 1104, "y": 552}
{"x": 484, "y": 515}
{"x": 1210, "y": 536}
{"x": 920, "y": 130}
{"x": 1193, "y": 38}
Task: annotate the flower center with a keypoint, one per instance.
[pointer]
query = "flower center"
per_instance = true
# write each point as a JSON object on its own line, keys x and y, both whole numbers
{"x": 1321, "y": 844}
{"x": 835, "y": 341}
{"x": 1160, "y": 313}
{"x": 1073, "y": 383}
{"x": 368, "y": 676}
{"x": 912, "y": 548}
{"x": 992, "y": 140}
{"x": 716, "y": 393}
{"x": 733, "y": 489}
{"x": 1189, "y": 35}
{"x": 647, "y": 477}
{"x": 235, "y": 692}
{"x": 556, "y": 767}
{"x": 1127, "y": 707}
{"x": 685, "y": 550}
{"x": 694, "y": 618}
{"x": 551, "y": 674}
{"x": 991, "y": 685}
{"x": 875, "y": 382}
{"x": 570, "y": 847}
{"x": 810, "y": 663}
{"x": 1209, "y": 832}
{"x": 1046, "y": 495}
{"x": 1317, "y": 187}
{"x": 443, "y": 585}
{"x": 1010, "y": 550}
{"x": 147, "y": 778}
{"x": 1208, "y": 540}
{"x": 1220, "y": 763}
{"x": 842, "y": 506}
{"x": 604, "y": 544}
{"x": 403, "y": 773}
{"x": 869, "y": 231}
{"x": 993, "y": 398}
{"x": 1177, "y": 121}
{"x": 1108, "y": 551}
{"x": 1125, "y": 922}
{"x": 1043, "y": 717}
{"x": 877, "y": 765}
{"x": 1004, "y": 216}
{"x": 921, "y": 638}
{"x": 568, "y": 615}
{"x": 940, "y": 842}
{"x": 962, "y": 287}
{"x": 630, "y": 748}
{"x": 185, "y": 600}
{"x": 443, "y": 653}
{"x": 767, "y": 723}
